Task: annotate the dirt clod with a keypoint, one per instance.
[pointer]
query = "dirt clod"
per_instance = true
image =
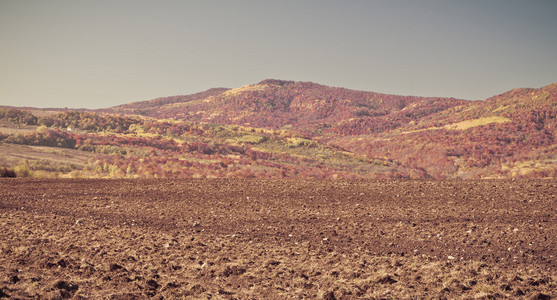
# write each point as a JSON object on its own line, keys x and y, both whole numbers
{"x": 234, "y": 270}
{"x": 63, "y": 285}
{"x": 14, "y": 279}
{"x": 153, "y": 284}
{"x": 4, "y": 294}
{"x": 329, "y": 296}
{"x": 62, "y": 263}
{"x": 388, "y": 279}
{"x": 541, "y": 296}
{"x": 116, "y": 267}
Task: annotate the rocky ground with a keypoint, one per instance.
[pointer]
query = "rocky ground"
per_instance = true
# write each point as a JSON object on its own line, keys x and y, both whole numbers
{"x": 261, "y": 239}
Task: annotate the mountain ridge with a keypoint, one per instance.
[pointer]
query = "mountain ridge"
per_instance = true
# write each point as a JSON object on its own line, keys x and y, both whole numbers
{"x": 281, "y": 128}
{"x": 477, "y": 133}
{"x": 274, "y": 103}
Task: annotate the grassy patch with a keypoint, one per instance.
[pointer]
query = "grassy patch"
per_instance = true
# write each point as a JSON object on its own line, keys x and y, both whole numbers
{"x": 477, "y": 122}
{"x": 248, "y": 139}
{"x": 298, "y": 142}
{"x": 247, "y": 88}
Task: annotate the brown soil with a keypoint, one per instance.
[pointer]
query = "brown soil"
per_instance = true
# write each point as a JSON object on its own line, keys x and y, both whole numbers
{"x": 127, "y": 239}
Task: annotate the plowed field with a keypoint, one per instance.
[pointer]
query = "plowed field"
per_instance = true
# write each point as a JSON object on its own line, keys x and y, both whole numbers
{"x": 245, "y": 239}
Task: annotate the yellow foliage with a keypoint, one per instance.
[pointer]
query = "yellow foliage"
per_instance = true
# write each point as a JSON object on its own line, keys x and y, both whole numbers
{"x": 246, "y": 88}
{"x": 22, "y": 170}
{"x": 504, "y": 108}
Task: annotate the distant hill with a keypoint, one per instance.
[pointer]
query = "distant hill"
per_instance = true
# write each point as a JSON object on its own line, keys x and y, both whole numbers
{"x": 278, "y": 128}
{"x": 309, "y": 107}
{"x": 508, "y": 135}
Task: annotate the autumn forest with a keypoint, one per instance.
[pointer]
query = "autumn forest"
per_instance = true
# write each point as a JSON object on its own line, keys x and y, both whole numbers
{"x": 286, "y": 129}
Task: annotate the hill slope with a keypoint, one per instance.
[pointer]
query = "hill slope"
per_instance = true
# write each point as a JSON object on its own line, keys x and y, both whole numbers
{"x": 310, "y": 108}
{"x": 281, "y": 128}
{"x": 512, "y": 134}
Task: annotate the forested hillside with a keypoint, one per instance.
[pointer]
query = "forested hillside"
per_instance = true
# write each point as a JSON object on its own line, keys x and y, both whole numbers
{"x": 277, "y": 129}
{"x": 136, "y": 146}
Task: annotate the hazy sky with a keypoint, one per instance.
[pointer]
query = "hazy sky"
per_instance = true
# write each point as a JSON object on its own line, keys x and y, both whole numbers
{"x": 102, "y": 53}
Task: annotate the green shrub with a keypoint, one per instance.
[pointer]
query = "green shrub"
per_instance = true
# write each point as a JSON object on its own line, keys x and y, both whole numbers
{"x": 250, "y": 139}
{"x": 299, "y": 142}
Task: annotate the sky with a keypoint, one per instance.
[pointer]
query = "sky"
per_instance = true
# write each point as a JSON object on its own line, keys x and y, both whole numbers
{"x": 102, "y": 53}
